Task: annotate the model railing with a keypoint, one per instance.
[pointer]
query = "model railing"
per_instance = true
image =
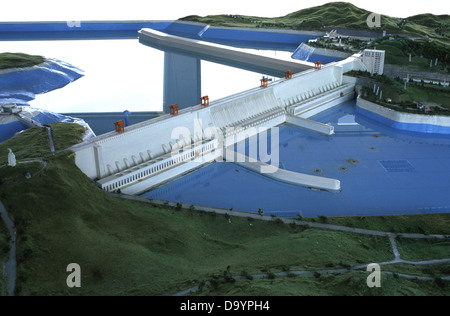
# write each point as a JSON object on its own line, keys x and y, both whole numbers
{"x": 148, "y": 169}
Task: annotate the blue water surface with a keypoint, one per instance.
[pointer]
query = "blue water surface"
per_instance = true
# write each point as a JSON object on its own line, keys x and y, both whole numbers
{"x": 382, "y": 171}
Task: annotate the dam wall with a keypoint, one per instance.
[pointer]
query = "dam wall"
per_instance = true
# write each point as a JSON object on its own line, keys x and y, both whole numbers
{"x": 233, "y": 118}
{"x": 114, "y": 152}
{"x": 112, "y": 157}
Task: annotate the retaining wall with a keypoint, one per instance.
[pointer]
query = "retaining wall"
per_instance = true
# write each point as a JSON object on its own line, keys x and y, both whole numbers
{"x": 404, "y": 121}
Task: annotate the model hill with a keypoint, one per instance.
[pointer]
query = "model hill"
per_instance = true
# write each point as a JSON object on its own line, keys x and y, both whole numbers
{"x": 19, "y": 60}
{"x": 128, "y": 248}
{"x": 337, "y": 15}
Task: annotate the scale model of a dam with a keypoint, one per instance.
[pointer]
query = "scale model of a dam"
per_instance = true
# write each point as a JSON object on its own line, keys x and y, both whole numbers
{"x": 147, "y": 154}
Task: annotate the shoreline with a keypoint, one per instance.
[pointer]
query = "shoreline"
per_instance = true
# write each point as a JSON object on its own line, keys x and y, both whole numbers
{"x": 427, "y": 124}
{"x": 21, "y": 85}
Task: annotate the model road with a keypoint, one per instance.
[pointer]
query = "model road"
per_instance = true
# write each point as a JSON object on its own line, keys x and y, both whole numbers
{"x": 362, "y": 267}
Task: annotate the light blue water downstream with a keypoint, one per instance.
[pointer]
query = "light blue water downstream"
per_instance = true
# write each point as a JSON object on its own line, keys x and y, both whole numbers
{"x": 382, "y": 171}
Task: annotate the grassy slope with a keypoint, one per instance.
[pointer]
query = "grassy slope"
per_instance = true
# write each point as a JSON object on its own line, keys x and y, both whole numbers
{"x": 439, "y": 23}
{"x": 4, "y": 255}
{"x": 349, "y": 284}
{"x": 398, "y": 50}
{"x": 336, "y": 14}
{"x": 405, "y": 100}
{"x": 415, "y": 93}
{"x": 66, "y": 134}
{"x": 4, "y": 243}
{"x": 433, "y": 271}
{"x": 19, "y": 60}
{"x": 416, "y": 250}
{"x": 36, "y": 141}
{"x": 422, "y": 224}
{"x": 129, "y": 248}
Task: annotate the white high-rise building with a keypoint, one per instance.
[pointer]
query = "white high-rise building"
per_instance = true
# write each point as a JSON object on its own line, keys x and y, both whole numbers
{"x": 374, "y": 60}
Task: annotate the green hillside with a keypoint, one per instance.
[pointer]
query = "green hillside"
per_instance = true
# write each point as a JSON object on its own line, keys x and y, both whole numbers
{"x": 431, "y": 20}
{"x": 336, "y": 15}
{"x": 133, "y": 248}
{"x": 130, "y": 248}
{"x": 19, "y": 60}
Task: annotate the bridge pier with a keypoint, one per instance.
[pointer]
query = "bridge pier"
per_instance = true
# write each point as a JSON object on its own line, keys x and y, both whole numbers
{"x": 182, "y": 81}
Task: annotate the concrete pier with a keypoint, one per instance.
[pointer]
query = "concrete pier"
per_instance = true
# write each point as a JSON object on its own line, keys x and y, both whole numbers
{"x": 317, "y": 127}
{"x": 286, "y": 176}
{"x": 182, "y": 81}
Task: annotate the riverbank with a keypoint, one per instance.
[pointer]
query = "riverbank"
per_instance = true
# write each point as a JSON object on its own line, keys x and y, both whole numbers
{"x": 173, "y": 246}
{"x": 404, "y": 121}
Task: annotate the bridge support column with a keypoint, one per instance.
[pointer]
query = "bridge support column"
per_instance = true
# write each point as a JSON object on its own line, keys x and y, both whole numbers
{"x": 182, "y": 81}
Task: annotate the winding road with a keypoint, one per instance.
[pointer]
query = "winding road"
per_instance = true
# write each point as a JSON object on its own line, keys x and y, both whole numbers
{"x": 363, "y": 267}
{"x": 9, "y": 268}
{"x": 10, "y": 265}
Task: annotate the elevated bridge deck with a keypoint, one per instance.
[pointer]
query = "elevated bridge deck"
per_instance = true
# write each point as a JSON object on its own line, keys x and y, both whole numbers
{"x": 221, "y": 54}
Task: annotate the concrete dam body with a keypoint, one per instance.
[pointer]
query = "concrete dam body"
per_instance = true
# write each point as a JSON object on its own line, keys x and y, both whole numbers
{"x": 152, "y": 152}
